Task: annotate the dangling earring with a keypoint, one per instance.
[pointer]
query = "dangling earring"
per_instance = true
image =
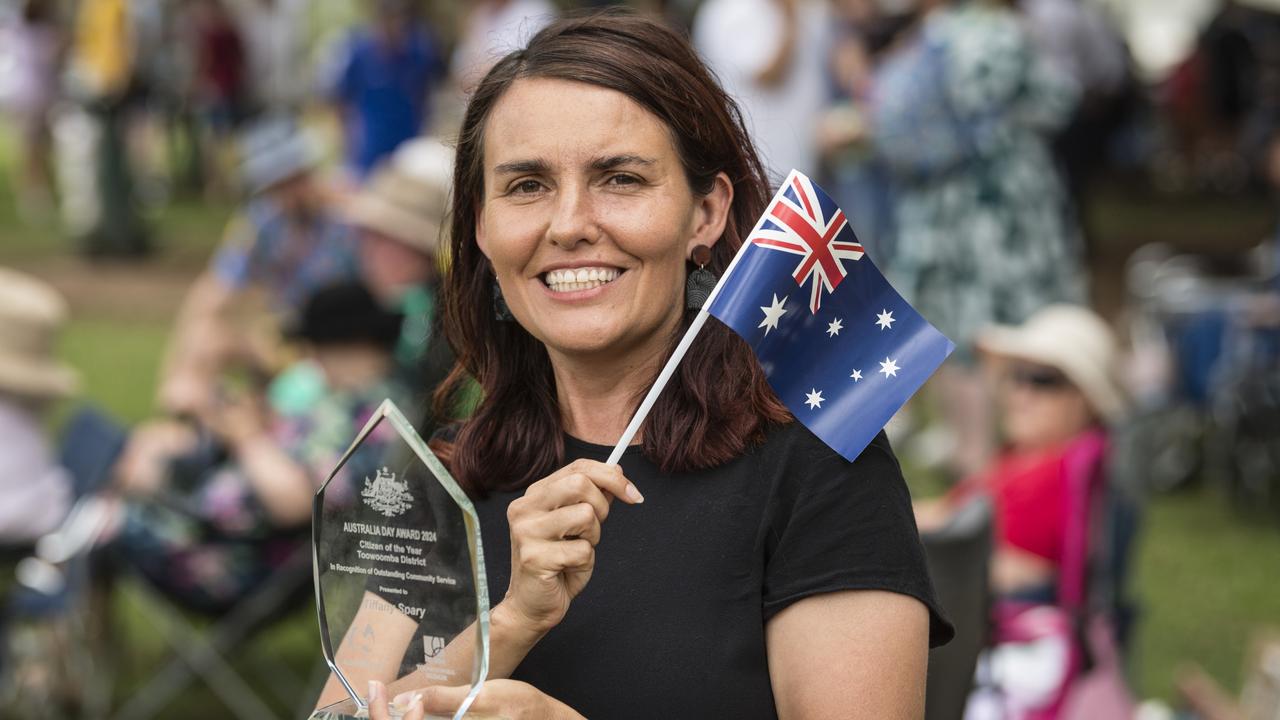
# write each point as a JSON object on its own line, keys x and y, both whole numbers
{"x": 700, "y": 283}
{"x": 500, "y": 309}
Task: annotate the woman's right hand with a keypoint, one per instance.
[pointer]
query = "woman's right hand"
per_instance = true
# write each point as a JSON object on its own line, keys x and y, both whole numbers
{"x": 554, "y": 530}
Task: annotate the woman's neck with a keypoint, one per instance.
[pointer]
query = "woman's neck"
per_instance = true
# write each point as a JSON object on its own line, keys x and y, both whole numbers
{"x": 598, "y": 395}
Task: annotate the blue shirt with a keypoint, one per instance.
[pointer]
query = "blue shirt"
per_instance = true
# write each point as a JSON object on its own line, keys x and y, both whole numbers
{"x": 290, "y": 259}
{"x": 386, "y": 93}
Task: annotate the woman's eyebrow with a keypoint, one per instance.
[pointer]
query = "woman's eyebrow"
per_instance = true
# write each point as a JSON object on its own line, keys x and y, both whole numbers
{"x": 615, "y": 161}
{"x": 521, "y": 166}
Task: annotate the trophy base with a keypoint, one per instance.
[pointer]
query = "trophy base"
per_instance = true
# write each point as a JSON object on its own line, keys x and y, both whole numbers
{"x": 344, "y": 711}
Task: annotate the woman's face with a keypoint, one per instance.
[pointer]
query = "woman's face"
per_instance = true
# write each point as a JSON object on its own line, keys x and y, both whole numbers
{"x": 1041, "y": 407}
{"x": 588, "y": 218}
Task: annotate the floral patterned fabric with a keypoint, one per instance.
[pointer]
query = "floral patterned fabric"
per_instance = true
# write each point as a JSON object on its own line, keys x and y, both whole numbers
{"x": 208, "y": 548}
{"x": 961, "y": 113}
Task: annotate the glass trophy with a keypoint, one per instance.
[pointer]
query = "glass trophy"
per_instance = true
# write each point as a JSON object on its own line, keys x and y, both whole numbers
{"x": 400, "y": 584}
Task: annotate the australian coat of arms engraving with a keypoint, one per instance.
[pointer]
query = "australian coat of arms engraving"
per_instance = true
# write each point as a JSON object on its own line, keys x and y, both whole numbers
{"x": 387, "y": 495}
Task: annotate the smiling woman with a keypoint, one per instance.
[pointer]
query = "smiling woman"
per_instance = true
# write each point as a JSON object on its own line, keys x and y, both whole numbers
{"x": 760, "y": 575}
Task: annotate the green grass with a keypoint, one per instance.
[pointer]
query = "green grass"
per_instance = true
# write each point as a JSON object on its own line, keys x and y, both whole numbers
{"x": 1207, "y": 579}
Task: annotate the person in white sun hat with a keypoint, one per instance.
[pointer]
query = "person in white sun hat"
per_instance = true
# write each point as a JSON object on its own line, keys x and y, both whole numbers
{"x": 1058, "y": 389}
{"x": 1058, "y": 398}
{"x": 399, "y": 215}
{"x": 36, "y": 491}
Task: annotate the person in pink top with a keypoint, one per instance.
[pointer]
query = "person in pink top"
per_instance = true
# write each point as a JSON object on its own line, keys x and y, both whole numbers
{"x": 1058, "y": 392}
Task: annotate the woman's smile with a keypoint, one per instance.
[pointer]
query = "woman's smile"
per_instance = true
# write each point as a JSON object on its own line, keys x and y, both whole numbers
{"x": 576, "y": 282}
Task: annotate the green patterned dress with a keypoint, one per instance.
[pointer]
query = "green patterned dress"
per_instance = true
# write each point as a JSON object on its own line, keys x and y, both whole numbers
{"x": 962, "y": 115}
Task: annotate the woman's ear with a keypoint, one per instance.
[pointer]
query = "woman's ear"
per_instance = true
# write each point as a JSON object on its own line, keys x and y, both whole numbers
{"x": 711, "y": 213}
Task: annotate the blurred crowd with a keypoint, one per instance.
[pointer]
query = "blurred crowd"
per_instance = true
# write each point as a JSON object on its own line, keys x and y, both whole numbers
{"x": 962, "y": 138}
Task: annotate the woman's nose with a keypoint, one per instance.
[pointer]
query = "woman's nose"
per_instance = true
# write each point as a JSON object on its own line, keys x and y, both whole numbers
{"x": 573, "y": 220}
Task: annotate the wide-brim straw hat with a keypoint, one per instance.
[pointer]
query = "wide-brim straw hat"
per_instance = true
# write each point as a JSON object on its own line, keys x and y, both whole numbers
{"x": 31, "y": 314}
{"x": 1076, "y": 342}
{"x": 407, "y": 197}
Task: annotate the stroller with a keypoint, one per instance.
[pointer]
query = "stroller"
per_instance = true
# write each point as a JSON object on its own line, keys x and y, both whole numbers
{"x": 1206, "y": 374}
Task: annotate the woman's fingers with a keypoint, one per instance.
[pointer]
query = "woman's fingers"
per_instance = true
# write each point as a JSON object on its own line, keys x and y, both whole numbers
{"x": 570, "y": 489}
{"x": 566, "y": 523}
{"x": 444, "y": 699}
{"x": 553, "y": 557}
{"x": 410, "y": 703}
{"x": 608, "y": 478}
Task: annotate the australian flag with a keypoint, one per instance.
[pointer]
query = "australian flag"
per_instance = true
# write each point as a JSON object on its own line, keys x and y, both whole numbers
{"x": 841, "y": 347}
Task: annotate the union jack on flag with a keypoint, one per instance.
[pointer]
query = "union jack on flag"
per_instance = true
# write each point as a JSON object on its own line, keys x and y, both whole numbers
{"x": 803, "y": 221}
{"x": 845, "y": 367}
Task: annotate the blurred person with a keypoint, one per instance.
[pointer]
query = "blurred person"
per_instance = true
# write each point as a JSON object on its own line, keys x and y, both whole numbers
{"x": 859, "y": 180}
{"x": 491, "y": 29}
{"x": 1058, "y": 385}
{"x": 399, "y": 215}
{"x": 220, "y": 91}
{"x": 771, "y": 56}
{"x": 961, "y": 112}
{"x": 207, "y": 510}
{"x": 286, "y": 241}
{"x": 384, "y": 82}
{"x": 276, "y": 43}
{"x": 1059, "y": 397}
{"x": 37, "y": 55}
{"x": 36, "y": 491}
{"x": 101, "y": 69}
{"x": 1081, "y": 42}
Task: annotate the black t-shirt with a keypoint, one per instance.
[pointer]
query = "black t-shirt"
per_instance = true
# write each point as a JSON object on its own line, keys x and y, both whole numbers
{"x": 672, "y": 623}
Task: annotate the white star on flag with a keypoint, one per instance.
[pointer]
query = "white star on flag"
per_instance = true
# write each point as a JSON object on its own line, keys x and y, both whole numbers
{"x": 834, "y": 327}
{"x": 884, "y": 319}
{"x": 772, "y": 314}
{"x": 889, "y": 368}
{"x": 856, "y": 375}
{"x": 813, "y": 399}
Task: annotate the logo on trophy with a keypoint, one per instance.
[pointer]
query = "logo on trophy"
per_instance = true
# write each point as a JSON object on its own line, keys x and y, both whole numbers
{"x": 386, "y": 495}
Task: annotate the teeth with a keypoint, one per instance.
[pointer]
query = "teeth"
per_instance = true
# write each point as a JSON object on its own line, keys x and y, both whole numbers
{"x": 580, "y": 278}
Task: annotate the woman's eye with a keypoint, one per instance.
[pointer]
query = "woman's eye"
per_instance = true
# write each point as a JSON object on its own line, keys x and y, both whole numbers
{"x": 526, "y": 187}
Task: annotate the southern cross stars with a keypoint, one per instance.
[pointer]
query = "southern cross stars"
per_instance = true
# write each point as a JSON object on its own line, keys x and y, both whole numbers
{"x": 884, "y": 319}
{"x": 889, "y": 368}
{"x": 772, "y": 314}
{"x": 856, "y": 375}
{"x": 834, "y": 327}
{"x": 814, "y": 399}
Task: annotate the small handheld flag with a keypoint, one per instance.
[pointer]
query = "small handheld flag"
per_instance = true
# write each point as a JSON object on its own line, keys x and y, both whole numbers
{"x": 841, "y": 348}
{"x": 839, "y": 345}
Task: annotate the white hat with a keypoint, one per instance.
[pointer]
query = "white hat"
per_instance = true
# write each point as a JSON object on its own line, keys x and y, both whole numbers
{"x": 1075, "y": 341}
{"x": 407, "y": 197}
{"x": 31, "y": 313}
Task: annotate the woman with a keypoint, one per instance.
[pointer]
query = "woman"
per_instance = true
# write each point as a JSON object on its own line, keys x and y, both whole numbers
{"x": 759, "y": 575}
{"x": 1059, "y": 394}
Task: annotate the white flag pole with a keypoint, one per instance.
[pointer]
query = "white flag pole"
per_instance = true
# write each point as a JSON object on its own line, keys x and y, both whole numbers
{"x": 685, "y": 342}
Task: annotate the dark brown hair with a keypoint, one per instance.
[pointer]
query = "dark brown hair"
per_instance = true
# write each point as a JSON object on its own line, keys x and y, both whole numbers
{"x": 718, "y": 403}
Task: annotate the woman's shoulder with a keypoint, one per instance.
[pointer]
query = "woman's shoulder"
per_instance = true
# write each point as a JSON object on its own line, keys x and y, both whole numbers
{"x": 798, "y": 443}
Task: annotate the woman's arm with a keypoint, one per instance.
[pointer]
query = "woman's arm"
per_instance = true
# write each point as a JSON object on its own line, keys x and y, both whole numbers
{"x": 849, "y": 654}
